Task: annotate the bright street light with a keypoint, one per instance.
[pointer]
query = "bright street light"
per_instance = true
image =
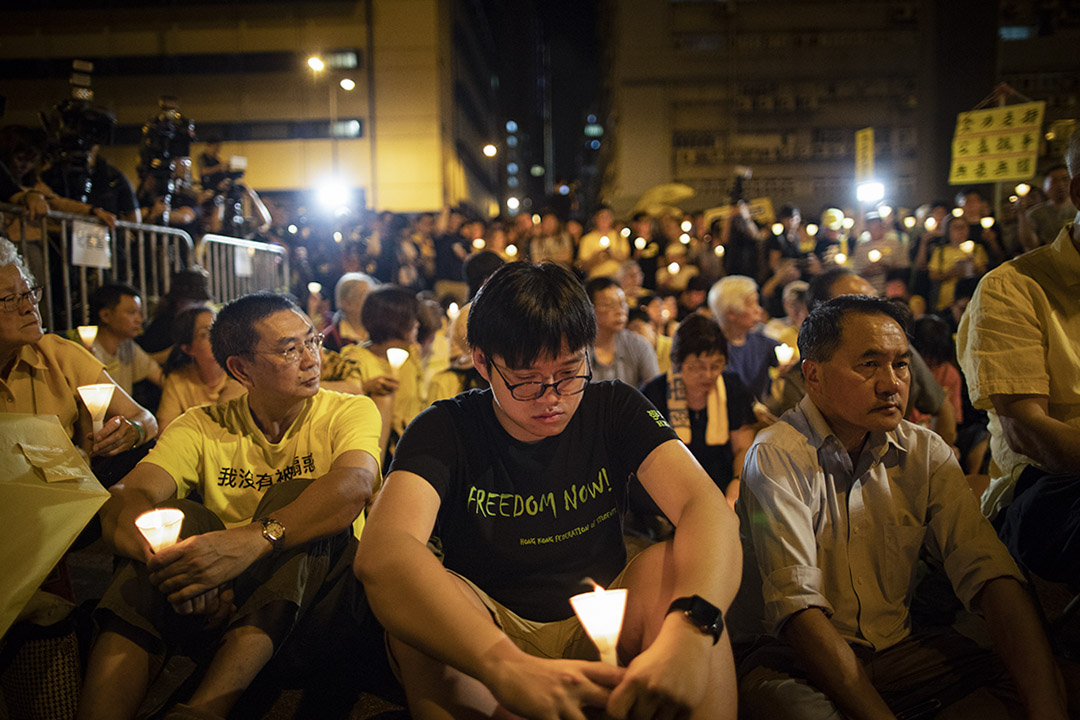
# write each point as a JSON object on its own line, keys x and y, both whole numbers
{"x": 870, "y": 192}
{"x": 490, "y": 150}
{"x": 315, "y": 63}
{"x": 347, "y": 84}
{"x": 513, "y": 203}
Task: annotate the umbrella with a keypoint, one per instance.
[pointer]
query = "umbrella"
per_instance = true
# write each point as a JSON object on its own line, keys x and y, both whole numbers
{"x": 47, "y": 495}
{"x": 661, "y": 199}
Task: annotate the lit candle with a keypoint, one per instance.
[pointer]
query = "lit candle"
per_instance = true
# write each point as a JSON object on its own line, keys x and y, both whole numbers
{"x": 605, "y": 241}
{"x": 909, "y": 222}
{"x": 719, "y": 250}
{"x": 452, "y": 312}
{"x": 848, "y": 223}
{"x": 840, "y": 258}
{"x": 640, "y": 243}
{"x": 686, "y": 225}
{"x": 873, "y": 255}
{"x": 777, "y": 228}
{"x": 314, "y": 288}
{"x": 601, "y": 614}
{"x": 97, "y": 398}
{"x": 673, "y": 268}
{"x": 784, "y": 353}
{"x": 511, "y": 251}
{"x": 957, "y": 212}
{"x": 930, "y": 224}
{"x": 987, "y": 222}
{"x": 397, "y": 358}
{"x": 884, "y": 211}
{"x": 625, "y": 232}
{"x": 968, "y": 246}
{"x": 478, "y": 243}
{"x": 1023, "y": 189}
{"x": 684, "y": 239}
{"x": 811, "y": 229}
{"x": 161, "y": 528}
{"x": 88, "y": 333}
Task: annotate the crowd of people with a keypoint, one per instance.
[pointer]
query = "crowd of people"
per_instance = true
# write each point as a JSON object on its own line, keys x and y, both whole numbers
{"x": 800, "y": 419}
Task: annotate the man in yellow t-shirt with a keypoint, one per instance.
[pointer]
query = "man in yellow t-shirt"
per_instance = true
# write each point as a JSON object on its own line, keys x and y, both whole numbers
{"x": 283, "y": 473}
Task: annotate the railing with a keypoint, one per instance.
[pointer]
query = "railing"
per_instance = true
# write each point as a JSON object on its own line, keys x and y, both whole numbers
{"x": 238, "y": 266}
{"x": 144, "y": 256}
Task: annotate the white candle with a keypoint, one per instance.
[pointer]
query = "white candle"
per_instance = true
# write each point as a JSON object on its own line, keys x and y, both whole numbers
{"x": 161, "y": 528}
{"x": 873, "y": 255}
{"x": 840, "y": 258}
{"x": 784, "y": 353}
{"x": 968, "y": 246}
{"x": 987, "y": 222}
{"x": 314, "y": 288}
{"x": 1023, "y": 189}
{"x": 452, "y": 312}
{"x": 88, "y": 333}
{"x": 97, "y": 398}
{"x": 673, "y": 268}
{"x": 605, "y": 241}
{"x": 397, "y": 358}
{"x": 601, "y": 614}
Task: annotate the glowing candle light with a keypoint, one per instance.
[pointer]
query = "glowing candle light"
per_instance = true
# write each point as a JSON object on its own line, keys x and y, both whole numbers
{"x": 684, "y": 239}
{"x": 605, "y": 241}
{"x": 161, "y": 528}
{"x": 957, "y": 212}
{"x": 719, "y": 250}
{"x": 88, "y": 333}
{"x": 909, "y": 222}
{"x": 601, "y": 614}
{"x": 848, "y": 223}
{"x": 930, "y": 224}
{"x": 686, "y": 225}
{"x": 97, "y": 398}
{"x": 784, "y": 353}
{"x": 452, "y": 312}
{"x": 478, "y": 243}
{"x": 1023, "y": 189}
{"x": 673, "y": 268}
{"x": 968, "y": 246}
{"x": 397, "y": 358}
{"x": 314, "y": 288}
{"x": 777, "y": 228}
{"x": 987, "y": 222}
{"x": 884, "y": 211}
{"x": 873, "y": 255}
{"x": 640, "y": 243}
{"x": 840, "y": 258}
{"x": 811, "y": 229}
{"x": 511, "y": 250}
{"x": 625, "y": 232}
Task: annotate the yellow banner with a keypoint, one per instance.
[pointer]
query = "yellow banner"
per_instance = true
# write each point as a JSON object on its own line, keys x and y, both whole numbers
{"x": 864, "y": 154}
{"x": 996, "y": 145}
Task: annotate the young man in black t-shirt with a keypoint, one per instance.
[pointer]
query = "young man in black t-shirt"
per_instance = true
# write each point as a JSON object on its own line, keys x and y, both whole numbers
{"x": 525, "y": 485}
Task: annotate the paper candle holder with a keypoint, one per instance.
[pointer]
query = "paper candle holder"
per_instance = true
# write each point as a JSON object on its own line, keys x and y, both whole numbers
{"x": 97, "y": 398}
{"x": 161, "y": 528}
{"x": 601, "y": 614}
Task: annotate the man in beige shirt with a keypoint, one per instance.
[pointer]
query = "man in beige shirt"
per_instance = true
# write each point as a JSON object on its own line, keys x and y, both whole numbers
{"x": 839, "y": 498}
{"x": 1019, "y": 347}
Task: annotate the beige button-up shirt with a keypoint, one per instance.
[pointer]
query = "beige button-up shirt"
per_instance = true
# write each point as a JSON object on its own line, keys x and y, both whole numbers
{"x": 846, "y": 538}
{"x": 1020, "y": 335}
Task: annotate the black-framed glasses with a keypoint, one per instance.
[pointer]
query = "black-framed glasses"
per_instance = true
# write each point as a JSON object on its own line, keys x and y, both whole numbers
{"x": 291, "y": 356}
{"x": 526, "y": 391}
{"x": 12, "y": 302}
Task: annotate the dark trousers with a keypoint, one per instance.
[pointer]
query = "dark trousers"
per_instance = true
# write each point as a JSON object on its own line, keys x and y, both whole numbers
{"x": 1041, "y": 527}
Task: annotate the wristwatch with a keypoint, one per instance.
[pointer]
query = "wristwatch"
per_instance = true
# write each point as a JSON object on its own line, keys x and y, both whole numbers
{"x": 274, "y": 532}
{"x": 701, "y": 613}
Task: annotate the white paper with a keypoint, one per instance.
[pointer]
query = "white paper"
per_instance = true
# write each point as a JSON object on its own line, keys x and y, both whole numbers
{"x": 90, "y": 245}
{"x": 242, "y": 262}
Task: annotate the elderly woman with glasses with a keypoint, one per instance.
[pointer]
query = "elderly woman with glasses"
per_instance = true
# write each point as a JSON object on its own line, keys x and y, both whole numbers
{"x": 709, "y": 408}
{"x": 40, "y": 373}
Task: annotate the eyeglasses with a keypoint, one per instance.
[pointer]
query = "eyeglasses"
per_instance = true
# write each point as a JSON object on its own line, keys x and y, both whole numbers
{"x": 533, "y": 390}
{"x": 291, "y": 356}
{"x": 13, "y": 301}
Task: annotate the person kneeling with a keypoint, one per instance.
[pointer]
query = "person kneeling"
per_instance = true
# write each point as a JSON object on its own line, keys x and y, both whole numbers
{"x": 525, "y": 485}
{"x": 284, "y": 472}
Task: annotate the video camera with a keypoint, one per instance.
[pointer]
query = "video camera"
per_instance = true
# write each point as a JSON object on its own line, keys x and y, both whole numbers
{"x": 166, "y": 138}
{"x": 742, "y": 174}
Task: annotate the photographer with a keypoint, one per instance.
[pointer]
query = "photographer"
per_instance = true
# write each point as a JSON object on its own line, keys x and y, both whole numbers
{"x": 230, "y": 207}
{"x": 165, "y": 193}
{"x": 785, "y": 260}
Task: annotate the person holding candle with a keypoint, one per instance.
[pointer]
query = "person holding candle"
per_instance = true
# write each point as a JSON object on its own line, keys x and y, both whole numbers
{"x": 958, "y": 258}
{"x": 284, "y": 472}
{"x": 41, "y": 373}
{"x": 839, "y": 498}
{"x": 524, "y": 484}
{"x": 117, "y": 310}
{"x": 603, "y": 249}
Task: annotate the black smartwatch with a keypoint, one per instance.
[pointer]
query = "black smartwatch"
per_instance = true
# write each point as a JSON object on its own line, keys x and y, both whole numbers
{"x": 701, "y": 613}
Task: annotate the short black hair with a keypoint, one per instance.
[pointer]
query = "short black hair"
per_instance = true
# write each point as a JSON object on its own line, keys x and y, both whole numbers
{"x": 697, "y": 335}
{"x": 787, "y": 211}
{"x": 389, "y": 313}
{"x": 526, "y": 311}
{"x": 599, "y": 284}
{"x": 107, "y": 297}
{"x": 820, "y": 285}
{"x": 233, "y": 331}
{"x": 820, "y": 334}
{"x": 478, "y": 267}
{"x": 933, "y": 339}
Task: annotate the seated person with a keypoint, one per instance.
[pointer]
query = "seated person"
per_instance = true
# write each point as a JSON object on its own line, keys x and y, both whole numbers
{"x": 839, "y": 498}
{"x": 708, "y": 407}
{"x": 735, "y": 305}
{"x": 187, "y": 289}
{"x": 391, "y": 317}
{"x": 40, "y": 373}
{"x": 117, "y": 311}
{"x": 785, "y": 330}
{"x": 618, "y": 354}
{"x": 525, "y": 486}
{"x": 284, "y": 472}
{"x": 1018, "y": 343}
{"x": 346, "y": 327}
{"x": 638, "y": 321}
{"x": 192, "y": 375}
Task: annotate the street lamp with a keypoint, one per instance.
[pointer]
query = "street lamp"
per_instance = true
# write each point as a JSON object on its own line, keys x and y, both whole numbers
{"x": 317, "y": 65}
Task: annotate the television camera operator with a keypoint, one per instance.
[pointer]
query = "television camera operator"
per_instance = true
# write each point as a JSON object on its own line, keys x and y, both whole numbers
{"x": 165, "y": 191}
{"x": 229, "y": 206}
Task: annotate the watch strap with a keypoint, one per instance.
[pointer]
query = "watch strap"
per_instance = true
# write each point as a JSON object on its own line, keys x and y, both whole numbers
{"x": 274, "y": 533}
{"x": 701, "y": 613}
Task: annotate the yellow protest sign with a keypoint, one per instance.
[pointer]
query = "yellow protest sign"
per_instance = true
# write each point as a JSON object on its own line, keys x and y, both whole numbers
{"x": 997, "y": 144}
{"x": 864, "y": 154}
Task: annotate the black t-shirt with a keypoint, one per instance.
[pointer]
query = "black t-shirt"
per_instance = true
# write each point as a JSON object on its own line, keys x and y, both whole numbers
{"x": 716, "y": 459}
{"x": 448, "y": 266}
{"x": 528, "y": 521}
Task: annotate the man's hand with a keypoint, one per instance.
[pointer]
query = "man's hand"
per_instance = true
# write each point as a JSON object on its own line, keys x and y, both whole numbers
{"x": 668, "y": 680}
{"x": 117, "y": 435}
{"x": 382, "y": 385}
{"x": 543, "y": 688}
{"x": 202, "y": 563}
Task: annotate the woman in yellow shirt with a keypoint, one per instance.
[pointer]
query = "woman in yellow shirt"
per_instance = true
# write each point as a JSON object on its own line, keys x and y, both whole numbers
{"x": 192, "y": 375}
{"x": 960, "y": 257}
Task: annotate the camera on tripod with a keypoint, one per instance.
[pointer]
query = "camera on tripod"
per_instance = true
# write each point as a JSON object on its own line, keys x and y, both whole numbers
{"x": 166, "y": 141}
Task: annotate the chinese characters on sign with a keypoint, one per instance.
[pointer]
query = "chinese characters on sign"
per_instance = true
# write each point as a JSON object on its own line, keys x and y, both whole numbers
{"x": 995, "y": 145}
{"x": 864, "y": 155}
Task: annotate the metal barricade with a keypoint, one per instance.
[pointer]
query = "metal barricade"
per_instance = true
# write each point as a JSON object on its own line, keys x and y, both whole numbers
{"x": 238, "y": 266}
{"x": 144, "y": 256}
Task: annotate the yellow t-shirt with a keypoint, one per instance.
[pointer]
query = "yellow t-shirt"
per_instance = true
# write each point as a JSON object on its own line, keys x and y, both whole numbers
{"x": 221, "y": 452}
{"x": 184, "y": 390}
{"x": 408, "y": 401}
{"x": 44, "y": 379}
{"x": 945, "y": 258}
